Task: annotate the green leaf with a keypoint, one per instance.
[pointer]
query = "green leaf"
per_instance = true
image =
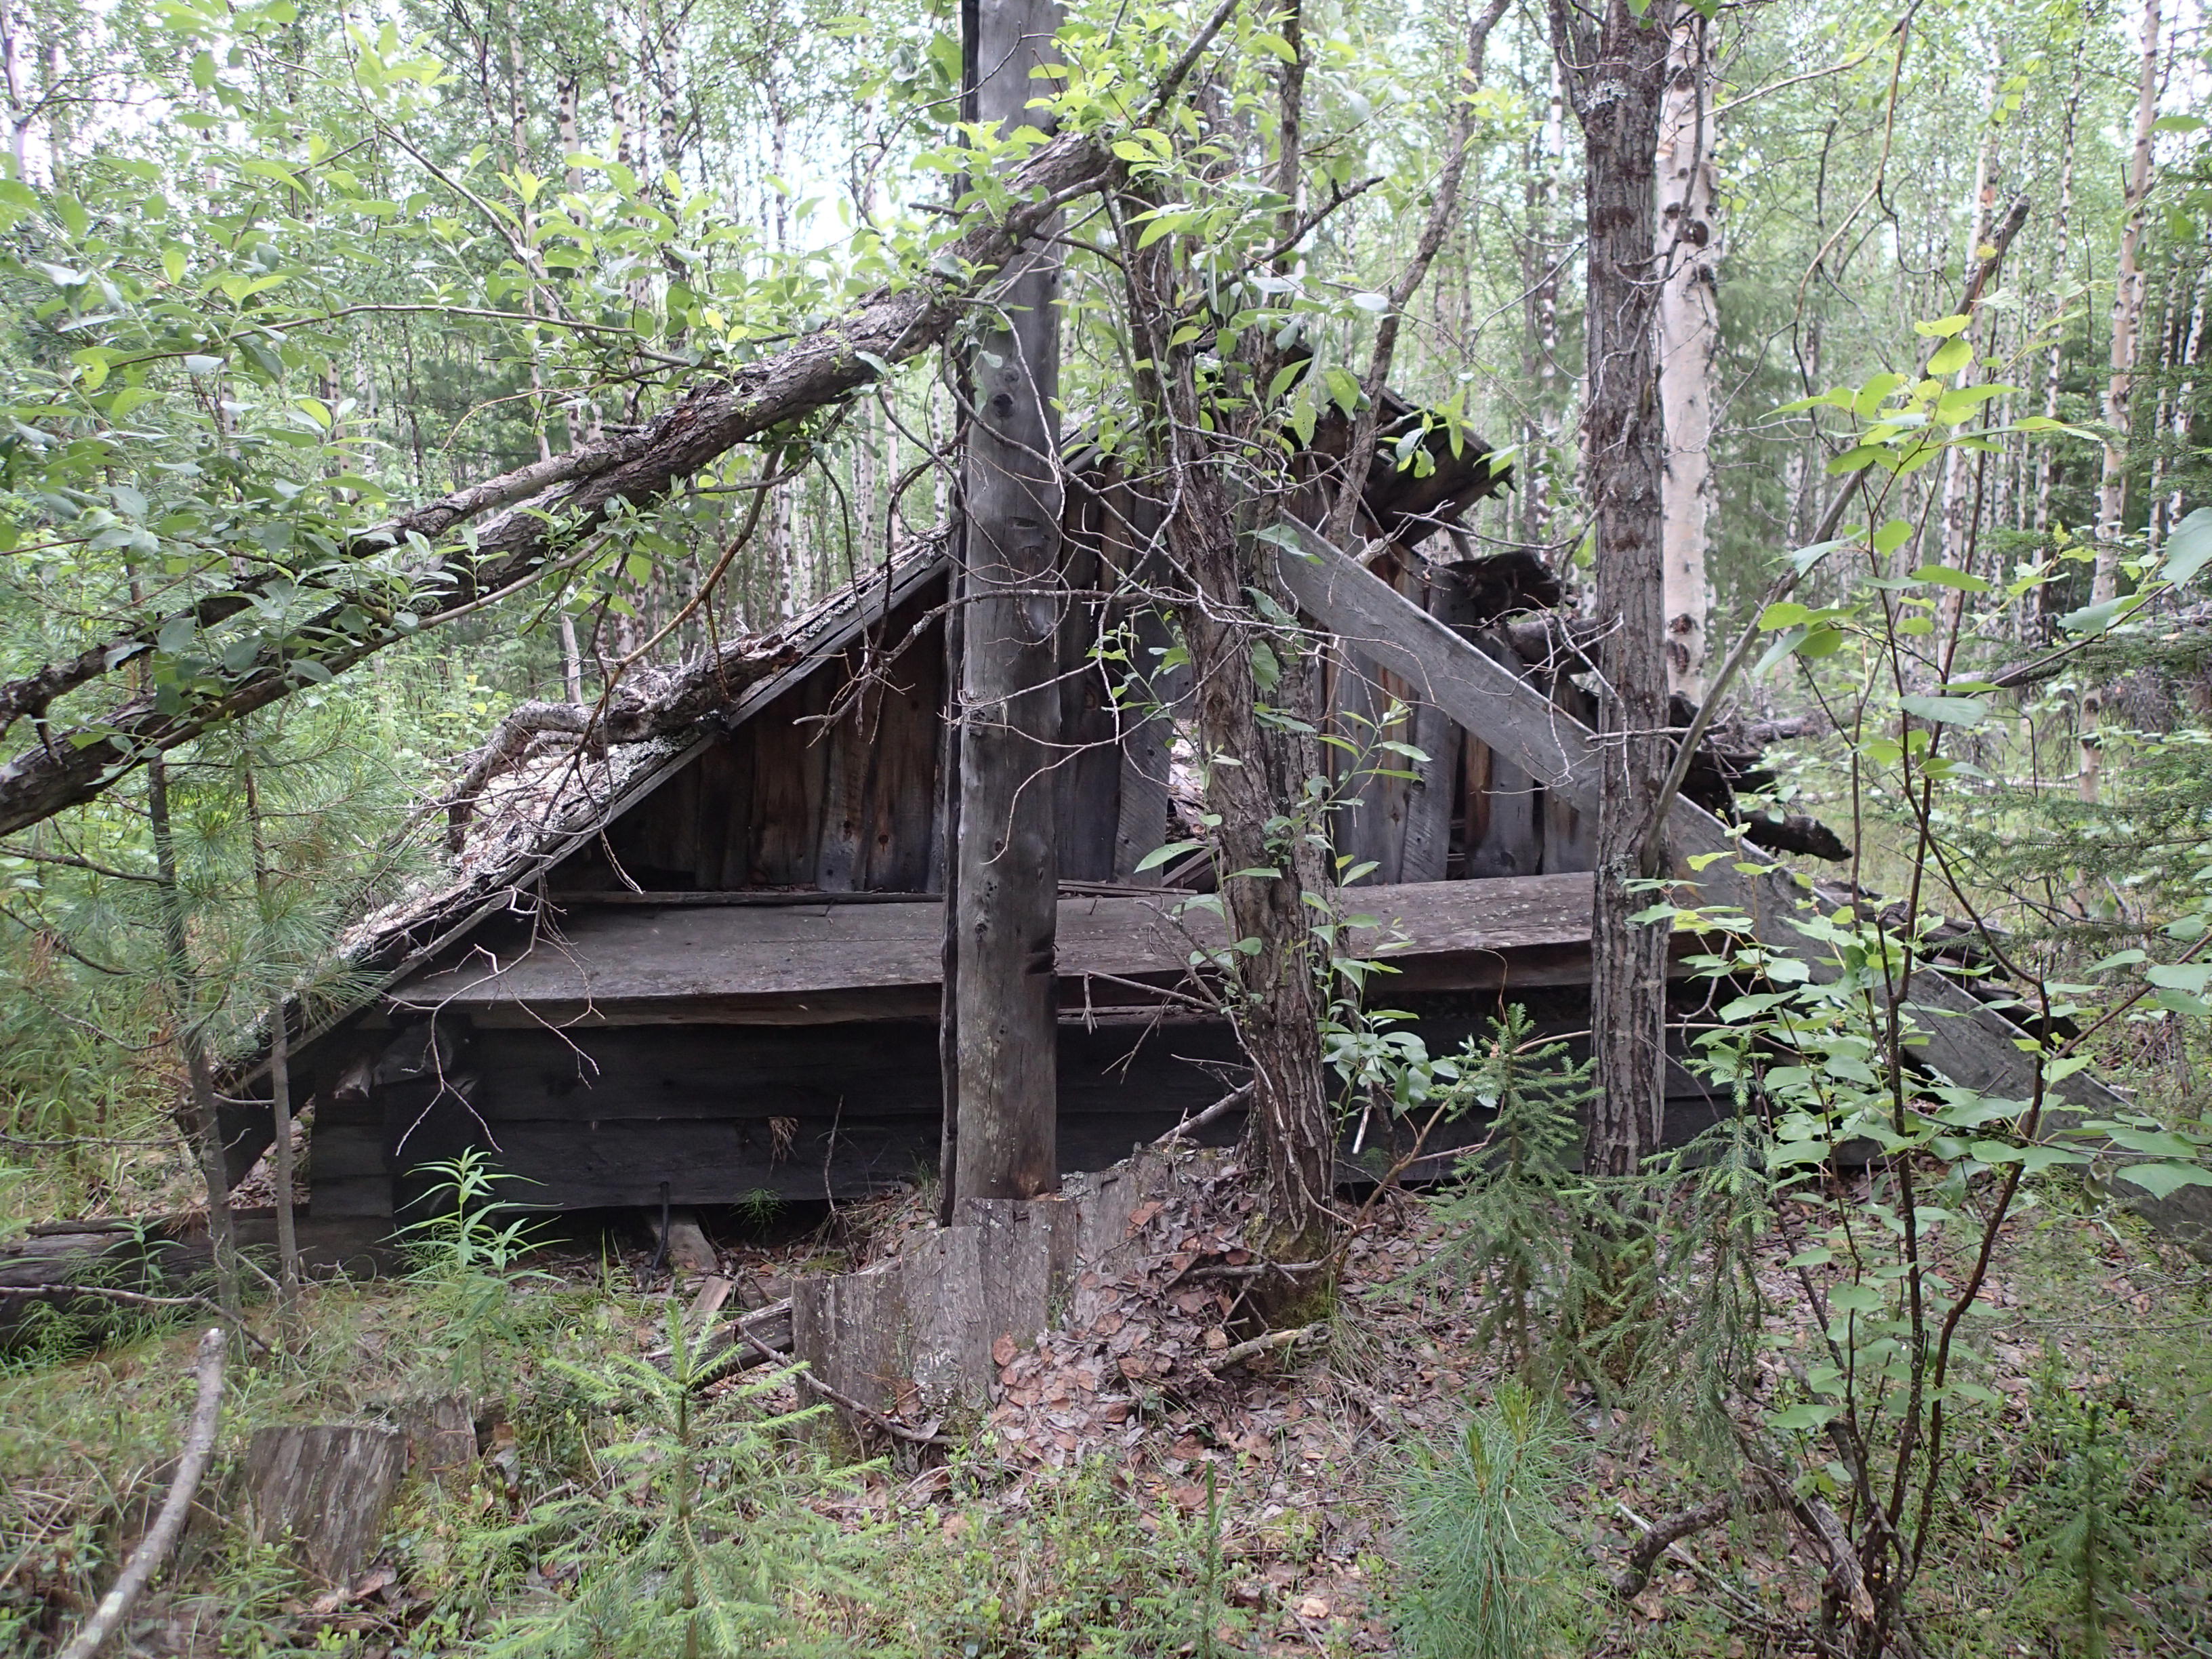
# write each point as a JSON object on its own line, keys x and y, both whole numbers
{"x": 1950, "y": 357}
{"x": 1872, "y": 394}
{"x": 2164, "y": 1180}
{"x": 2190, "y": 976}
{"x": 1943, "y": 328}
{"x": 2095, "y": 618}
{"x": 2032, "y": 1160}
{"x": 2189, "y": 549}
{"x": 2153, "y": 1143}
{"x": 1168, "y": 855}
{"x": 1947, "y": 711}
{"x": 1790, "y": 641}
{"x": 1813, "y": 1416}
{"x": 1891, "y": 536}
{"x": 1802, "y": 559}
{"x": 1944, "y": 576}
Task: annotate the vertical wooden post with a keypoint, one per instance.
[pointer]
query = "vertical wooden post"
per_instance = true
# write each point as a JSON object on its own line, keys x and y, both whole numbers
{"x": 1006, "y": 886}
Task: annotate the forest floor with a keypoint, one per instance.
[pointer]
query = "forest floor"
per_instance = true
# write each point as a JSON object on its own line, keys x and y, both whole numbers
{"x": 1122, "y": 1498}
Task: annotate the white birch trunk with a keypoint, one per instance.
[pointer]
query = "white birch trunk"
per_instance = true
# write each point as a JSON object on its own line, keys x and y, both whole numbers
{"x": 2127, "y": 324}
{"x": 1688, "y": 325}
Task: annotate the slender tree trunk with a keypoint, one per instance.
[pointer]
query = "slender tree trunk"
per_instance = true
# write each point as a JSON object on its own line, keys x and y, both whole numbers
{"x": 280, "y": 1052}
{"x": 1959, "y": 464}
{"x": 2127, "y": 324}
{"x": 2184, "y": 389}
{"x": 204, "y": 1125}
{"x": 1546, "y": 302}
{"x": 1689, "y": 334}
{"x": 2046, "y": 478}
{"x": 1007, "y": 884}
{"x": 1616, "y": 75}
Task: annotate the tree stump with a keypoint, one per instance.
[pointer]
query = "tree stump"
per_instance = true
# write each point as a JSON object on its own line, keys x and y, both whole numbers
{"x": 441, "y": 1438}
{"x": 325, "y": 1488}
{"x": 933, "y": 1328}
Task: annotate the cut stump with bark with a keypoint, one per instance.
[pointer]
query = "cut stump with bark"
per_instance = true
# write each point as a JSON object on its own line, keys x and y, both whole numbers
{"x": 325, "y": 1488}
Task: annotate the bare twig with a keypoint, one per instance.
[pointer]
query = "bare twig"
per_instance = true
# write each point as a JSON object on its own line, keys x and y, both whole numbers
{"x": 1664, "y": 1537}
{"x": 1270, "y": 1343}
{"x": 154, "y": 1549}
{"x": 1220, "y": 1108}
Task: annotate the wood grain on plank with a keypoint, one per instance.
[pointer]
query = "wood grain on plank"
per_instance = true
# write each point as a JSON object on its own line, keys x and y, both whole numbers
{"x": 630, "y": 953}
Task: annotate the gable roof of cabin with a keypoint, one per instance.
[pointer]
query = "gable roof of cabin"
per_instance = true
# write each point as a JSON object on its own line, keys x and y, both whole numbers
{"x": 532, "y": 817}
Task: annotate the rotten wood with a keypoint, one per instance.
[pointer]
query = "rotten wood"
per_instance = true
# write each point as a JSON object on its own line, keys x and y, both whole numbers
{"x": 324, "y": 1488}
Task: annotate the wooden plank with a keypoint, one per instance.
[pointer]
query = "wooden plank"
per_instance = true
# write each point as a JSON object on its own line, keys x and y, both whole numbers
{"x": 1970, "y": 1043}
{"x": 1429, "y": 799}
{"x": 903, "y": 781}
{"x": 636, "y": 952}
{"x": 848, "y": 755}
{"x": 619, "y": 1074}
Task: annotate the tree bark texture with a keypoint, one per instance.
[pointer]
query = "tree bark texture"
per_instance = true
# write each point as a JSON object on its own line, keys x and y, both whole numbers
{"x": 540, "y": 512}
{"x": 2126, "y": 325}
{"x": 1616, "y": 71}
{"x": 1007, "y": 884}
{"x": 1689, "y": 333}
{"x": 1254, "y": 773}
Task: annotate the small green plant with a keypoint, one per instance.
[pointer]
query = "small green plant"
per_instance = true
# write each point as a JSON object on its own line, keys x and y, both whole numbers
{"x": 461, "y": 1234}
{"x": 467, "y": 1258}
{"x": 1512, "y": 1220}
{"x": 760, "y": 1207}
{"x": 698, "y": 1538}
{"x": 1487, "y": 1567}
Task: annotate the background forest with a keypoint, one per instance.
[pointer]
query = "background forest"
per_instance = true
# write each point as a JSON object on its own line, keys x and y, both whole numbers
{"x": 274, "y": 274}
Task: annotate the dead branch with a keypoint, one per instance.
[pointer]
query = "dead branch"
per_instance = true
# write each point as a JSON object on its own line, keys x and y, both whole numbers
{"x": 154, "y": 1549}
{"x": 136, "y": 1299}
{"x": 546, "y": 506}
{"x": 1664, "y": 1537}
{"x": 1271, "y": 1343}
{"x": 1213, "y": 1114}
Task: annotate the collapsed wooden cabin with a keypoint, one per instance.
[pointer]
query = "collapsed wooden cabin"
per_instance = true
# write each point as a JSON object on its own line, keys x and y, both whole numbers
{"x": 700, "y": 961}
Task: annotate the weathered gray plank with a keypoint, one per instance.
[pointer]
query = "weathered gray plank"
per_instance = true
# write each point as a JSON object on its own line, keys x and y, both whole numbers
{"x": 629, "y": 954}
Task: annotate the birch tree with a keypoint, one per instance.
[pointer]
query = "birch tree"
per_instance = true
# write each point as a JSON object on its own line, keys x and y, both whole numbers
{"x": 1689, "y": 332}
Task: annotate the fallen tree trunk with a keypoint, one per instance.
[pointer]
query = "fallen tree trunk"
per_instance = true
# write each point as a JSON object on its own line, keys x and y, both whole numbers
{"x": 550, "y": 507}
{"x": 154, "y": 1549}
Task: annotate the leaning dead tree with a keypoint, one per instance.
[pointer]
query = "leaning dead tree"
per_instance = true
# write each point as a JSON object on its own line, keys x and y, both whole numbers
{"x": 527, "y": 524}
